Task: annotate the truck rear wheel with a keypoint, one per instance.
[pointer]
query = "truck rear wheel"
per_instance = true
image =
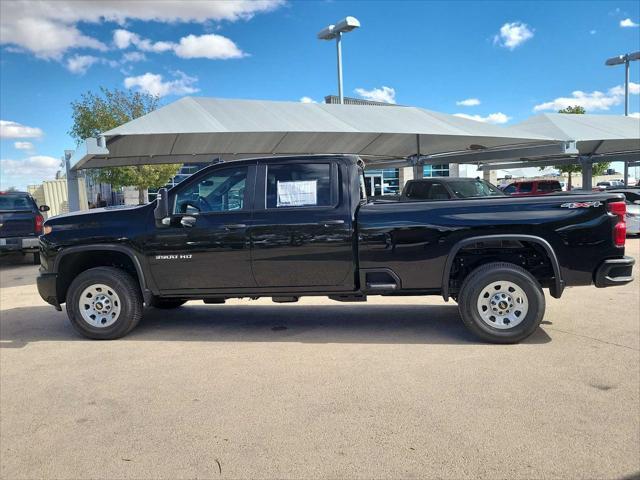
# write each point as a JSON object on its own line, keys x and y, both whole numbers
{"x": 501, "y": 303}
{"x": 104, "y": 303}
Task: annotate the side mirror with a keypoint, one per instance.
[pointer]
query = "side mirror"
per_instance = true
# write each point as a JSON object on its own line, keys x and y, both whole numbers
{"x": 162, "y": 206}
{"x": 44, "y": 208}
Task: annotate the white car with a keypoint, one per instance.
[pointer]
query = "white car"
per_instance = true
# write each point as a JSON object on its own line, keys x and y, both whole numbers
{"x": 632, "y": 217}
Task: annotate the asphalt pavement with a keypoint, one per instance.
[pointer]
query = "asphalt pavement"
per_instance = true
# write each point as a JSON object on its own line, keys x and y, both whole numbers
{"x": 393, "y": 388}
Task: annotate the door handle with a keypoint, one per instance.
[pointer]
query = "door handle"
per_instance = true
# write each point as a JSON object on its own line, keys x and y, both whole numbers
{"x": 328, "y": 223}
{"x": 187, "y": 221}
{"x": 234, "y": 226}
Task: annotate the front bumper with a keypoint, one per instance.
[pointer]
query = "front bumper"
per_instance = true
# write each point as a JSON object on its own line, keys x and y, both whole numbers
{"x": 15, "y": 244}
{"x": 615, "y": 271}
{"x": 47, "y": 288}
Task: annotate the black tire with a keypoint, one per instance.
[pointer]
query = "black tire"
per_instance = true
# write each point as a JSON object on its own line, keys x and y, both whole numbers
{"x": 123, "y": 285}
{"x": 36, "y": 258}
{"x": 166, "y": 303}
{"x": 483, "y": 276}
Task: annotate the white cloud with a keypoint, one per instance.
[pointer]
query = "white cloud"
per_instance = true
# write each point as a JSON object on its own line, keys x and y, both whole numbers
{"x": 133, "y": 57}
{"x": 469, "y": 102}
{"x": 635, "y": 114}
{"x": 384, "y": 94}
{"x": 49, "y": 28}
{"x": 307, "y": 100}
{"x": 44, "y": 38}
{"x": 590, "y": 100}
{"x": 79, "y": 64}
{"x": 28, "y": 146}
{"x": 28, "y": 171}
{"x": 207, "y": 46}
{"x": 210, "y": 46}
{"x": 628, "y": 23}
{"x": 513, "y": 34}
{"x": 154, "y": 84}
{"x": 124, "y": 38}
{"x": 495, "y": 118}
{"x": 9, "y": 129}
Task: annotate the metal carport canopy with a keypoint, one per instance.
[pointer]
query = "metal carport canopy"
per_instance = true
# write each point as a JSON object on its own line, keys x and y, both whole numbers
{"x": 594, "y": 137}
{"x": 195, "y": 129}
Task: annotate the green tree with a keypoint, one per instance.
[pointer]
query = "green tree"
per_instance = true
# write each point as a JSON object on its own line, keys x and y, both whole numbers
{"x": 573, "y": 109}
{"x": 598, "y": 168}
{"x": 95, "y": 113}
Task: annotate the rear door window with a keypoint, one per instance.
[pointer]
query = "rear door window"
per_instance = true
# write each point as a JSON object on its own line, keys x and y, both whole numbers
{"x": 419, "y": 190}
{"x": 438, "y": 192}
{"x": 526, "y": 188}
{"x": 299, "y": 185}
{"x": 550, "y": 187}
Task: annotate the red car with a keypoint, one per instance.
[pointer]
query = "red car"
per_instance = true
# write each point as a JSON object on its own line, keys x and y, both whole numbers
{"x": 532, "y": 187}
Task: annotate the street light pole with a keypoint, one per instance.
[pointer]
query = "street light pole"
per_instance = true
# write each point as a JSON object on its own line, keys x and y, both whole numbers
{"x": 619, "y": 60}
{"x": 626, "y": 86}
{"x": 339, "y": 51}
{"x": 335, "y": 31}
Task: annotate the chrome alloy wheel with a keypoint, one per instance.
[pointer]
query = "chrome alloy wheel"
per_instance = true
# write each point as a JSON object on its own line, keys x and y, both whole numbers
{"x": 100, "y": 305}
{"x": 503, "y": 305}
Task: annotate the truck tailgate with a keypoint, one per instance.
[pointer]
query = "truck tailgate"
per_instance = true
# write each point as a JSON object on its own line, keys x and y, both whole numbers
{"x": 18, "y": 223}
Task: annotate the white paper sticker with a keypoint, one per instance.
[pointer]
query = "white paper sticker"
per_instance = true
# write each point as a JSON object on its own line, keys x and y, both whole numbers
{"x": 296, "y": 194}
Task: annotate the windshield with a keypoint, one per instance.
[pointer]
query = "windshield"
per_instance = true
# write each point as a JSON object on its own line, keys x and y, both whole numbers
{"x": 474, "y": 188}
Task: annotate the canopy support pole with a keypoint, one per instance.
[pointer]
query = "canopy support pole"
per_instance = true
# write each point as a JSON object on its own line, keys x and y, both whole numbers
{"x": 587, "y": 167}
{"x": 626, "y": 173}
{"x": 418, "y": 166}
{"x": 587, "y": 173}
{"x": 73, "y": 190}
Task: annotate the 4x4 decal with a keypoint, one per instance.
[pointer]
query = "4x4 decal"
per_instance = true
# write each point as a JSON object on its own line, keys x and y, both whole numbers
{"x": 597, "y": 203}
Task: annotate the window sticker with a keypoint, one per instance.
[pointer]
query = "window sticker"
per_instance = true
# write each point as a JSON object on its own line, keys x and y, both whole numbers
{"x": 297, "y": 193}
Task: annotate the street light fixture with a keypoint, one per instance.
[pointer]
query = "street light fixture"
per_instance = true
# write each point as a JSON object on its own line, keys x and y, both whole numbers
{"x": 335, "y": 31}
{"x": 619, "y": 60}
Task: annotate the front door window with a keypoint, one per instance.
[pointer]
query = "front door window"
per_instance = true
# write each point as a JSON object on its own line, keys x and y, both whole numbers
{"x": 221, "y": 191}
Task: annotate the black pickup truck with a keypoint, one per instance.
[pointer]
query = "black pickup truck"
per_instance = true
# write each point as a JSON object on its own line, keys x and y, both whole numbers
{"x": 20, "y": 224}
{"x": 289, "y": 227}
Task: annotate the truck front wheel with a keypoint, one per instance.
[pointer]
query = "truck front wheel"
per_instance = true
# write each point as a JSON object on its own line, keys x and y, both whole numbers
{"x": 501, "y": 303}
{"x": 104, "y": 303}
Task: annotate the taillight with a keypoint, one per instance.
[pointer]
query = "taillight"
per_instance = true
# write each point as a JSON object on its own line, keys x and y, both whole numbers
{"x": 620, "y": 234}
{"x": 619, "y": 209}
{"x": 38, "y": 224}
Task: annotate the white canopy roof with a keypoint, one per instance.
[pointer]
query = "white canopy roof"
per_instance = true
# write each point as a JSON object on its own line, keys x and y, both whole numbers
{"x": 196, "y": 129}
{"x": 593, "y": 134}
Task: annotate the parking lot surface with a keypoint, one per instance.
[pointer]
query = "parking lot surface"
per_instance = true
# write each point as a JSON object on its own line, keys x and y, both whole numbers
{"x": 394, "y": 388}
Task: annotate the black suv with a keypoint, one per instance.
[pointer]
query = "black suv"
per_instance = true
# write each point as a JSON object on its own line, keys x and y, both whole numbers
{"x": 20, "y": 224}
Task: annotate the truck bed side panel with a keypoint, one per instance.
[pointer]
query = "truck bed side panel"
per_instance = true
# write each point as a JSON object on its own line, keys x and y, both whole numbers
{"x": 415, "y": 238}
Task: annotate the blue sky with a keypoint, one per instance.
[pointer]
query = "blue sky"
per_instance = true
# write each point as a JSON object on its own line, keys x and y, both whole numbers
{"x": 509, "y": 60}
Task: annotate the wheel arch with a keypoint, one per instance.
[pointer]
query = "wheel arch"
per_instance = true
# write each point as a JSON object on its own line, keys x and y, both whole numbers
{"x": 114, "y": 251}
{"x": 555, "y": 290}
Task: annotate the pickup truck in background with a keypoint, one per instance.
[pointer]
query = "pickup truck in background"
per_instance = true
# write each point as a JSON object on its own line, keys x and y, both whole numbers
{"x": 445, "y": 188}
{"x": 532, "y": 188}
{"x": 289, "y": 227}
{"x": 20, "y": 224}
